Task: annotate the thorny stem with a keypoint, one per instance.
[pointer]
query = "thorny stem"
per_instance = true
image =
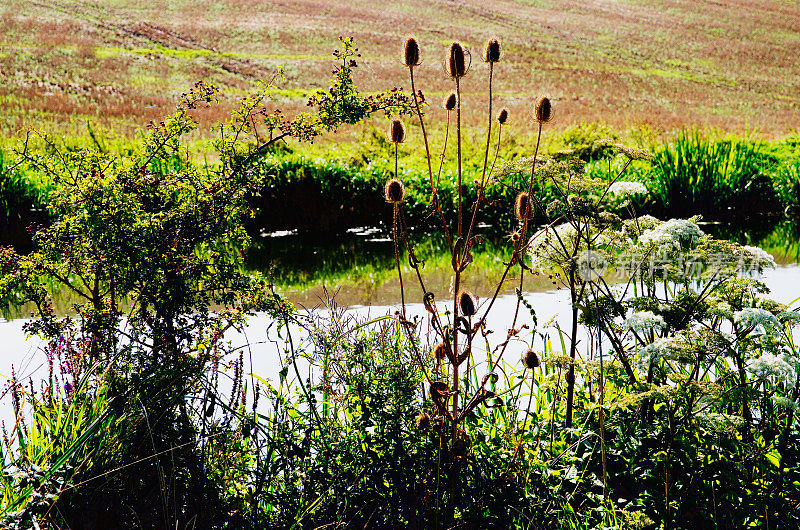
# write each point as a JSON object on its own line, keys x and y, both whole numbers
{"x": 394, "y": 240}
{"x": 434, "y": 185}
{"x": 482, "y": 186}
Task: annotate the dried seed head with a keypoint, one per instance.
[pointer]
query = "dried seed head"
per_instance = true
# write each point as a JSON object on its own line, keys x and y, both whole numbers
{"x": 542, "y": 109}
{"x": 466, "y": 302}
{"x": 423, "y": 421}
{"x": 394, "y": 191}
{"x": 523, "y": 208}
{"x": 531, "y": 359}
{"x": 502, "y": 117}
{"x": 411, "y": 52}
{"x": 492, "y": 54}
{"x": 440, "y": 351}
{"x": 458, "y": 61}
{"x": 398, "y": 132}
{"x": 450, "y": 101}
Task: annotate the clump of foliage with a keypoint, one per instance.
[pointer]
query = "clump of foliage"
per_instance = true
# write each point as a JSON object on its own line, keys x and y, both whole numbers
{"x": 669, "y": 399}
{"x": 149, "y": 245}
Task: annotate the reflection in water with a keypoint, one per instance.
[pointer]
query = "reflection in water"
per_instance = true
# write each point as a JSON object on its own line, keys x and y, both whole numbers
{"x": 359, "y": 265}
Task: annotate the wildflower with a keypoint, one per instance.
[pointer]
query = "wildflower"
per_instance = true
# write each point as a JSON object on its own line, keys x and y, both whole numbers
{"x": 759, "y": 258}
{"x": 492, "y": 53}
{"x": 394, "y": 191}
{"x": 502, "y": 117}
{"x": 769, "y": 366}
{"x": 677, "y": 233}
{"x": 466, "y": 302}
{"x": 642, "y": 321}
{"x": 450, "y": 101}
{"x": 457, "y": 63}
{"x": 627, "y": 188}
{"x": 542, "y": 110}
{"x": 523, "y": 208}
{"x": 755, "y": 317}
{"x": 411, "y": 53}
{"x": 398, "y": 132}
{"x": 531, "y": 360}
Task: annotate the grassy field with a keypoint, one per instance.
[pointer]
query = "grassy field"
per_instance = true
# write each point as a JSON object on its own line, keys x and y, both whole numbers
{"x": 663, "y": 64}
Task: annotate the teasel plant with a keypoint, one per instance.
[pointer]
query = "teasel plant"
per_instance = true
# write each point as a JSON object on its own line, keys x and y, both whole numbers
{"x": 455, "y": 389}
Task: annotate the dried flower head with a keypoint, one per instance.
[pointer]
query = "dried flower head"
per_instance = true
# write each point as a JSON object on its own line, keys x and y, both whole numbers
{"x": 466, "y": 302}
{"x": 394, "y": 191}
{"x": 458, "y": 61}
{"x": 411, "y": 53}
{"x": 439, "y": 351}
{"x": 492, "y": 53}
{"x": 423, "y": 421}
{"x": 502, "y": 117}
{"x": 523, "y": 208}
{"x": 542, "y": 109}
{"x": 398, "y": 132}
{"x": 531, "y": 359}
{"x": 450, "y": 101}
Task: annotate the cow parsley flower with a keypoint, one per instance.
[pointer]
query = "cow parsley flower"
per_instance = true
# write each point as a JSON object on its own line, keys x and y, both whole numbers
{"x": 642, "y": 321}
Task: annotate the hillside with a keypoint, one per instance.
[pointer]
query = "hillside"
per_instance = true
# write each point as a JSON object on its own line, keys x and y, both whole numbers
{"x": 667, "y": 64}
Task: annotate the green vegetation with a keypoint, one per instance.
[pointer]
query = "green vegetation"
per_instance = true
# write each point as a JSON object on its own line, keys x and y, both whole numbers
{"x": 668, "y": 400}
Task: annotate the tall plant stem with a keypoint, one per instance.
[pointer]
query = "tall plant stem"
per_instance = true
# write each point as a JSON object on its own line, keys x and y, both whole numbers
{"x": 395, "y": 221}
{"x": 485, "y": 163}
{"x": 434, "y": 184}
{"x": 457, "y": 283}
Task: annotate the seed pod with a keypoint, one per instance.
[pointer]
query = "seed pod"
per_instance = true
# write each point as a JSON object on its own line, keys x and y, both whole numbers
{"x": 440, "y": 351}
{"x": 398, "y": 132}
{"x": 502, "y": 117}
{"x": 423, "y": 421}
{"x": 523, "y": 208}
{"x": 394, "y": 191}
{"x": 411, "y": 52}
{"x": 450, "y": 101}
{"x": 531, "y": 359}
{"x": 458, "y": 62}
{"x": 492, "y": 54}
{"x": 542, "y": 109}
{"x": 466, "y": 302}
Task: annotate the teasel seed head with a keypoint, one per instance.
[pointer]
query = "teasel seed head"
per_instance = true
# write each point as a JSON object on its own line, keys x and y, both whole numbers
{"x": 542, "y": 110}
{"x": 458, "y": 61}
{"x": 394, "y": 191}
{"x": 398, "y": 132}
{"x": 423, "y": 421}
{"x": 492, "y": 54}
{"x": 466, "y": 302}
{"x": 450, "y": 101}
{"x": 411, "y": 53}
{"x": 531, "y": 359}
{"x": 523, "y": 208}
{"x": 440, "y": 351}
{"x": 502, "y": 117}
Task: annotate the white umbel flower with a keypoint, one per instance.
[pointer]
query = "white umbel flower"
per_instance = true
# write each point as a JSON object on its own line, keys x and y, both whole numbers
{"x": 769, "y": 366}
{"x": 623, "y": 187}
{"x": 642, "y": 321}
{"x": 755, "y": 316}
{"x": 677, "y": 233}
